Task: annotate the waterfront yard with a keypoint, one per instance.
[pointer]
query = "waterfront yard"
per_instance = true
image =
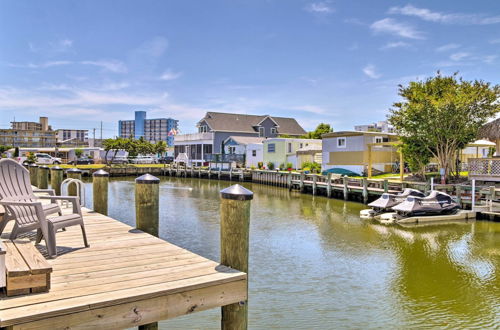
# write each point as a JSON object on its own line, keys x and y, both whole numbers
{"x": 315, "y": 264}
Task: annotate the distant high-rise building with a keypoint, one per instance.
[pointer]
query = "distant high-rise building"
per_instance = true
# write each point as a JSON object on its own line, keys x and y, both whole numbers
{"x": 153, "y": 130}
{"x": 29, "y": 134}
{"x": 73, "y": 137}
{"x": 381, "y": 126}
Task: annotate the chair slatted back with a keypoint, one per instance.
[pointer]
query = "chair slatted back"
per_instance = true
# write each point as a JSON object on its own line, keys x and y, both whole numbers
{"x": 26, "y": 215}
{"x": 14, "y": 179}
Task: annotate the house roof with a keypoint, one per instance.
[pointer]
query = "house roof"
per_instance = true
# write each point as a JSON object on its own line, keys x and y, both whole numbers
{"x": 356, "y": 133}
{"x": 245, "y": 139}
{"x": 491, "y": 130}
{"x": 232, "y": 122}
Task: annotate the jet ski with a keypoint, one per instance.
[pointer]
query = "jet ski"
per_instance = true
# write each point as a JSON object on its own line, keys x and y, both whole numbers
{"x": 437, "y": 203}
{"x": 387, "y": 201}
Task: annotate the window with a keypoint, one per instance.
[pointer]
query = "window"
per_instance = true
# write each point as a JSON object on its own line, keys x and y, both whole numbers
{"x": 254, "y": 153}
{"x": 271, "y": 147}
{"x": 301, "y": 145}
{"x": 273, "y": 130}
{"x": 261, "y": 132}
{"x": 289, "y": 147}
{"x": 378, "y": 139}
{"x": 341, "y": 142}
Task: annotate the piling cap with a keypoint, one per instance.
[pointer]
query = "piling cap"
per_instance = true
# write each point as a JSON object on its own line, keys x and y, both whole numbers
{"x": 56, "y": 168}
{"x": 44, "y": 167}
{"x": 236, "y": 192}
{"x": 74, "y": 170}
{"x": 100, "y": 173}
{"x": 147, "y": 179}
{"x": 33, "y": 165}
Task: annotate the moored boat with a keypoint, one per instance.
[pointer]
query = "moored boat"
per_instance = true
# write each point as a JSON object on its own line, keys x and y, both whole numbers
{"x": 387, "y": 201}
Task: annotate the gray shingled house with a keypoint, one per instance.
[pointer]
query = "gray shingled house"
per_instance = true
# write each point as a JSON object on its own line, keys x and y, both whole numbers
{"x": 217, "y": 127}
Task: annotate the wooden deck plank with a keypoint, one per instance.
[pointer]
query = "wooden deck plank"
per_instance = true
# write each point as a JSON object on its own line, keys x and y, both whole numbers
{"x": 97, "y": 287}
{"x": 14, "y": 262}
{"x": 33, "y": 258}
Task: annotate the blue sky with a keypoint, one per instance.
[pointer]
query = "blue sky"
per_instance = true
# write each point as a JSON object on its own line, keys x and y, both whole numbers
{"x": 339, "y": 62}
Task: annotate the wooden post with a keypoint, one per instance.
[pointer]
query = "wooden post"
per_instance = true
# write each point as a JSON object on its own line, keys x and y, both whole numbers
{"x": 365, "y": 190}
{"x": 289, "y": 180}
{"x": 401, "y": 166}
{"x": 56, "y": 178}
{"x": 329, "y": 185}
{"x": 459, "y": 194}
{"x": 73, "y": 173}
{"x": 230, "y": 173}
{"x": 314, "y": 184}
{"x": 234, "y": 243}
{"x": 473, "y": 195}
{"x": 43, "y": 177}
{"x": 218, "y": 173}
{"x": 386, "y": 185}
{"x": 492, "y": 197}
{"x": 147, "y": 215}
{"x": 369, "y": 161}
{"x": 346, "y": 189}
{"x": 100, "y": 191}
{"x": 209, "y": 171}
{"x": 33, "y": 168}
{"x": 301, "y": 184}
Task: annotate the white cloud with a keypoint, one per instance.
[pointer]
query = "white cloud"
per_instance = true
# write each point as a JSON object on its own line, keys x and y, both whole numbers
{"x": 320, "y": 8}
{"x": 447, "y": 47}
{"x": 170, "y": 75}
{"x": 154, "y": 47}
{"x": 459, "y": 56}
{"x": 495, "y": 41}
{"x": 108, "y": 65}
{"x": 310, "y": 109}
{"x": 397, "y": 44}
{"x": 453, "y": 18}
{"x": 391, "y": 26}
{"x": 371, "y": 72}
{"x": 47, "y": 64}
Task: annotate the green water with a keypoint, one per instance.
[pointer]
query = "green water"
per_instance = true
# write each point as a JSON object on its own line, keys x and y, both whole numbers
{"x": 315, "y": 265}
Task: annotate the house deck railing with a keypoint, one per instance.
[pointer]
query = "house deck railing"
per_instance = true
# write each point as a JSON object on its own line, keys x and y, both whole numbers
{"x": 484, "y": 167}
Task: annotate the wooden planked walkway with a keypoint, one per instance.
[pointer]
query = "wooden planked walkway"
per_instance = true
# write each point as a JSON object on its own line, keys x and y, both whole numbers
{"x": 125, "y": 279}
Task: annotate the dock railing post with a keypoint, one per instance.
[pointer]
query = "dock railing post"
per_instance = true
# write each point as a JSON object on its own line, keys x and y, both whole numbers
{"x": 365, "y": 190}
{"x": 314, "y": 184}
{"x": 432, "y": 183}
{"x": 43, "y": 177}
{"x": 100, "y": 191}
{"x": 346, "y": 189}
{"x": 386, "y": 185}
{"x": 473, "y": 195}
{"x": 458, "y": 192}
{"x": 234, "y": 238}
{"x": 73, "y": 173}
{"x": 329, "y": 185}
{"x": 301, "y": 184}
{"x": 56, "y": 178}
{"x": 147, "y": 202}
{"x": 33, "y": 168}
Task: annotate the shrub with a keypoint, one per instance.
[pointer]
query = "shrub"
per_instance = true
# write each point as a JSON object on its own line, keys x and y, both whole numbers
{"x": 282, "y": 167}
{"x": 30, "y": 158}
{"x": 289, "y": 166}
{"x": 311, "y": 166}
{"x": 260, "y": 165}
{"x": 252, "y": 167}
{"x": 270, "y": 166}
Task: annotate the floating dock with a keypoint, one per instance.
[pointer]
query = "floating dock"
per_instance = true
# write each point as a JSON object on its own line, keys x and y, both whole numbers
{"x": 395, "y": 218}
{"x": 125, "y": 279}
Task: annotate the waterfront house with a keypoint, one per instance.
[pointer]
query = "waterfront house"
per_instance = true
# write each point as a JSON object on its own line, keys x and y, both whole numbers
{"x": 284, "y": 150}
{"x": 349, "y": 150}
{"x": 237, "y": 145}
{"x": 254, "y": 155}
{"x": 216, "y": 127}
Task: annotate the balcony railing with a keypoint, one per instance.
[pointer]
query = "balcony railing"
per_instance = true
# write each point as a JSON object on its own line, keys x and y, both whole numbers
{"x": 225, "y": 158}
{"x": 194, "y": 137}
{"x": 484, "y": 168}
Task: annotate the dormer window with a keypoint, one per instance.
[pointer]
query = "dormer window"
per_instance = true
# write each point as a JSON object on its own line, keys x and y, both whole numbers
{"x": 262, "y": 132}
{"x": 273, "y": 130}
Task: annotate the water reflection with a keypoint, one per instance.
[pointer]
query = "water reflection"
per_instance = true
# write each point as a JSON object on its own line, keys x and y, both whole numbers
{"x": 315, "y": 264}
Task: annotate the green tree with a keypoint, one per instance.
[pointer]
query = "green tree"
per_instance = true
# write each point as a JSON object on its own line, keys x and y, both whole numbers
{"x": 320, "y": 130}
{"x": 443, "y": 114}
{"x": 114, "y": 145}
{"x": 160, "y": 147}
{"x": 78, "y": 152}
{"x": 4, "y": 148}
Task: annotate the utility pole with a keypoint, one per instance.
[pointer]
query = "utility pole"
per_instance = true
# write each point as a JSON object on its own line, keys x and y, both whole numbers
{"x": 93, "y": 140}
{"x": 101, "y": 130}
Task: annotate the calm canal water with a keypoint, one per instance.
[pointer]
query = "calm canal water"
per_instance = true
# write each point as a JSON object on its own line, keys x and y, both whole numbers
{"x": 315, "y": 265}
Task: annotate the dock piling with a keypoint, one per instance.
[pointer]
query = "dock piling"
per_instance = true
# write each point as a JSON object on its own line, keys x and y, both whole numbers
{"x": 100, "y": 180}
{"x": 365, "y": 191}
{"x": 56, "y": 178}
{"x": 386, "y": 185}
{"x": 234, "y": 237}
{"x": 314, "y": 184}
{"x": 329, "y": 185}
{"x": 301, "y": 184}
{"x": 346, "y": 190}
{"x": 43, "y": 177}
{"x": 33, "y": 169}
{"x": 147, "y": 215}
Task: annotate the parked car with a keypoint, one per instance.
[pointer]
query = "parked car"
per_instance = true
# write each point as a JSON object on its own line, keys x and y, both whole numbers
{"x": 41, "y": 158}
{"x": 144, "y": 160}
{"x": 120, "y": 160}
{"x": 166, "y": 160}
{"x": 82, "y": 161}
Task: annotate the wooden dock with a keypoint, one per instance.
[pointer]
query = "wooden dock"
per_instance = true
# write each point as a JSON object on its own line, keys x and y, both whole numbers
{"x": 125, "y": 279}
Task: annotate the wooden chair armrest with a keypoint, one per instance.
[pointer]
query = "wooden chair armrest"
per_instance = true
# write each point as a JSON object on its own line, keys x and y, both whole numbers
{"x": 51, "y": 192}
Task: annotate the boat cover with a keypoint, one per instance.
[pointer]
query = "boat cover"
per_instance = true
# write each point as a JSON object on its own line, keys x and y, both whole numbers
{"x": 436, "y": 203}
